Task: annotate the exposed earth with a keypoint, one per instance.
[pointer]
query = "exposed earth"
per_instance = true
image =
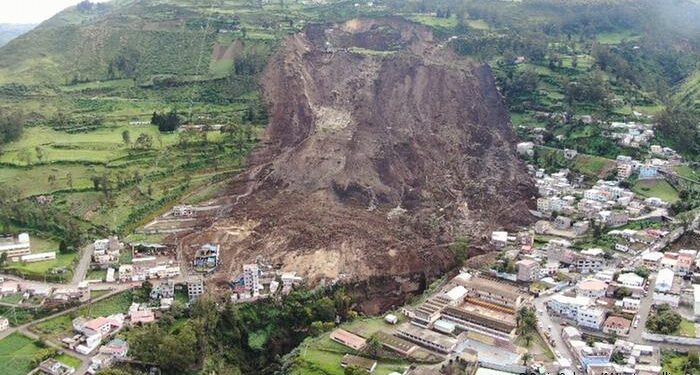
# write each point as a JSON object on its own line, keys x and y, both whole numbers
{"x": 382, "y": 148}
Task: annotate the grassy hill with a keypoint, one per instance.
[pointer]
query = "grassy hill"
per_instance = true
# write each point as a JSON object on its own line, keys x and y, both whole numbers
{"x": 689, "y": 91}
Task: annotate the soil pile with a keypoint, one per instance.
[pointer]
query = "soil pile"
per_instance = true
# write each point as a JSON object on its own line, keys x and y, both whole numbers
{"x": 382, "y": 148}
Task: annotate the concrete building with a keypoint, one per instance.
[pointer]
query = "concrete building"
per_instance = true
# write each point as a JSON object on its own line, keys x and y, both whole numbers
{"x": 15, "y": 248}
{"x": 251, "y": 278}
{"x": 592, "y": 288}
{"x": 579, "y": 309}
{"x": 4, "y": 323}
{"x": 630, "y": 280}
{"x": 427, "y": 338}
{"x": 195, "y": 287}
{"x": 616, "y": 325}
{"x": 664, "y": 280}
{"x": 528, "y": 269}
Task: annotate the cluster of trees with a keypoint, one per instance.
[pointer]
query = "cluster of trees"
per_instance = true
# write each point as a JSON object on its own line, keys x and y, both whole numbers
{"x": 167, "y": 122}
{"x": 665, "y": 320}
{"x": 678, "y": 128}
{"x": 64, "y": 121}
{"x": 16, "y": 212}
{"x": 11, "y": 125}
{"x": 216, "y": 338}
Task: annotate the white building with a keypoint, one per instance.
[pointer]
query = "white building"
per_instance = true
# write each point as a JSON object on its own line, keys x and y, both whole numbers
{"x": 631, "y": 280}
{"x": 4, "y": 324}
{"x": 664, "y": 281}
{"x": 592, "y": 288}
{"x": 251, "y": 278}
{"x": 579, "y": 309}
{"x": 499, "y": 239}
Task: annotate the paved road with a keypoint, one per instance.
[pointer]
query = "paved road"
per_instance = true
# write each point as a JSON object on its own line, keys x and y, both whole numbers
{"x": 635, "y": 334}
{"x": 81, "y": 269}
{"x": 548, "y": 321}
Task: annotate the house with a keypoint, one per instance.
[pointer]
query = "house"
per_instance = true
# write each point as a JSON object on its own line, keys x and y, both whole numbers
{"x": 195, "y": 287}
{"x": 616, "y": 325}
{"x": 348, "y": 339}
{"x": 630, "y": 304}
{"x": 685, "y": 263}
{"x": 427, "y": 338}
{"x": 495, "y": 292}
{"x": 528, "y": 270}
{"x": 182, "y": 211}
{"x": 14, "y": 248}
{"x": 142, "y": 317}
{"x": 54, "y": 367}
{"x": 630, "y": 280}
{"x": 562, "y": 222}
{"x": 251, "y": 278}
{"x": 592, "y": 288}
{"x": 664, "y": 280}
{"x": 126, "y": 272}
{"x": 652, "y": 259}
{"x": 525, "y": 148}
{"x": 499, "y": 239}
{"x": 579, "y": 309}
{"x": 648, "y": 171}
{"x": 4, "y": 323}
{"x": 9, "y": 287}
{"x": 366, "y": 364}
{"x": 207, "y": 257}
{"x": 117, "y": 348}
{"x": 38, "y": 257}
{"x": 104, "y": 325}
{"x": 165, "y": 289}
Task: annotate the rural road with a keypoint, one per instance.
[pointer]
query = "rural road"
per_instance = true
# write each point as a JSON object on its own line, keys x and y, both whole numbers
{"x": 83, "y": 265}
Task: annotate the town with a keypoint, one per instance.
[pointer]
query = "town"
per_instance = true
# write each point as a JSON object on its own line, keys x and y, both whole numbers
{"x": 602, "y": 282}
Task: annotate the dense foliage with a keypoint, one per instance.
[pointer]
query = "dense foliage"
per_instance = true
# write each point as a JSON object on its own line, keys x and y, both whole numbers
{"x": 226, "y": 338}
{"x": 11, "y": 125}
{"x": 665, "y": 320}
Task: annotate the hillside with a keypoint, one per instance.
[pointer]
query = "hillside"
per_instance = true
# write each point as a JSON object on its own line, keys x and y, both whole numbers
{"x": 689, "y": 91}
{"x": 381, "y": 147}
{"x": 11, "y": 31}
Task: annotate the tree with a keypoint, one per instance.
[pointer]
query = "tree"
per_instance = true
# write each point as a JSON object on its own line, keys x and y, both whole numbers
{"x": 622, "y": 292}
{"x": 664, "y": 321}
{"x": 63, "y": 247}
{"x": 526, "y": 320}
{"x": 144, "y": 141}
{"x": 526, "y": 358}
{"x": 460, "y": 249}
{"x": 3, "y": 259}
{"x": 39, "y": 153}
{"x": 373, "y": 345}
{"x": 126, "y": 138}
{"x": 11, "y": 126}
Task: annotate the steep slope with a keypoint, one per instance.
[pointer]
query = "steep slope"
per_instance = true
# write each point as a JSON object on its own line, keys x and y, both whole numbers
{"x": 382, "y": 148}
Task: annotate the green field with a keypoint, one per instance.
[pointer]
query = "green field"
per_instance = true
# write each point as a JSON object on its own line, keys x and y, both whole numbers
{"x": 687, "y": 328}
{"x": 63, "y": 324}
{"x": 38, "y": 269}
{"x": 656, "y": 188}
{"x": 16, "y": 354}
{"x": 322, "y": 356}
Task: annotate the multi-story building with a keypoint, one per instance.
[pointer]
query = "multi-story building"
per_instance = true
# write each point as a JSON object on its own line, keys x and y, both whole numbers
{"x": 15, "y": 248}
{"x": 251, "y": 278}
{"x": 579, "y": 309}
{"x": 528, "y": 269}
{"x": 592, "y": 288}
{"x": 195, "y": 287}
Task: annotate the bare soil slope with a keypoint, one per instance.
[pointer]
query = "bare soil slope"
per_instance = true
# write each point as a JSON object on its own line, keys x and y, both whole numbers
{"x": 382, "y": 147}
